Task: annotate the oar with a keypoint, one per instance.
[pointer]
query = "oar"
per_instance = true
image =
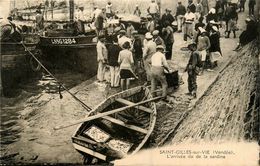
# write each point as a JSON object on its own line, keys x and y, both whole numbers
{"x": 105, "y": 113}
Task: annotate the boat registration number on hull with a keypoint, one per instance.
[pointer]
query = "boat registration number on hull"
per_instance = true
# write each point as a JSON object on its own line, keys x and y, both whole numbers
{"x": 63, "y": 41}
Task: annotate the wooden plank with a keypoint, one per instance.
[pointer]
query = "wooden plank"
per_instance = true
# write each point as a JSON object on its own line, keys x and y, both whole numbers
{"x": 127, "y": 102}
{"x": 80, "y": 138}
{"x": 100, "y": 115}
{"x": 119, "y": 122}
{"x": 90, "y": 152}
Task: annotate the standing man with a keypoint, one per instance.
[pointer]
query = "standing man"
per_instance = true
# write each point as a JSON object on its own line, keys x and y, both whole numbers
{"x": 251, "y": 5}
{"x": 137, "y": 50}
{"x": 112, "y": 57}
{"x": 46, "y": 8}
{"x": 189, "y": 18}
{"x": 242, "y": 5}
{"x": 157, "y": 39}
{"x": 199, "y": 10}
{"x": 159, "y": 63}
{"x": 203, "y": 45}
{"x": 109, "y": 12}
{"x": 39, "y": 20}
{"x": 205, "y": 6}
{"x": 100, "y": 21}
{"x": 101, "y": 58}
{"x": 168, "y": 39}
{"x": 192, "y": 69}
{"x": 149, "y": 50}
{"x": 80, "y": 17}
{"x": 153, "y": 9}
{"x": 150, "y": 24}
{"x": 191, "y": 6}
{"x": 137, "y": 11}
{"x": 52, "y": 7}
{"x": 167, "y": 16}
{"x": 180, "y": 12}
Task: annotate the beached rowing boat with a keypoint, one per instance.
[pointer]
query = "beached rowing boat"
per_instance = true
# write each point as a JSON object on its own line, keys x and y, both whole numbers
{"x": 115, "y": 135}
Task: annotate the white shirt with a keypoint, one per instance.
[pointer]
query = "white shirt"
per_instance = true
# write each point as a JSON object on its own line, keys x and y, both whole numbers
{"x": 153, "y": 8}
{"x": 96, "y": 13}
{"x": 158, "y": 60}
{"x": 101, "y": 51}
{"x": 124, "y": 39}
{"x": 80, "y": 16}
{"x": 109, "y": 8}
{"x": 189, "y": 16}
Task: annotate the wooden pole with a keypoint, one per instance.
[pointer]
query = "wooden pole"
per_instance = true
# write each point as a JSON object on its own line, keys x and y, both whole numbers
{"x": 100, "y": 115}
{"x": 71, "y": 8}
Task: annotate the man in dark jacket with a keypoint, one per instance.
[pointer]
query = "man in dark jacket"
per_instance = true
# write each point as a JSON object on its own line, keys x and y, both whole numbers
{"x": 180, "y": 12}
{"x": 191, "y": 6}
{"x": 251, "y": 5}
{"x": 167, "y": 16}
{"x": 192, "y": 68}
{"x": 137, "y": 50}
{"x": 112, "y": 55}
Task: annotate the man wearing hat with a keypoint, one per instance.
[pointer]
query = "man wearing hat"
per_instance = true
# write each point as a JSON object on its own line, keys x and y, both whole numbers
{"x": 168, "y": 37}
{"x": 101, "y": 57}
{"x": 149, "y": 50}
{"x": 158, "y": 64}
{"x": 203, "y": 45}
{"x": 180, "y": 12}
{"x": 39, "y": 20}
{"x": 122, "y": 38}
{"x": 157, "y": 39}
{"x": 80, "y": 18}
{"x": 153, "y": 9}
{"x": 189, "y": 19}
{"x": 150, "y": 24}
{"x": 191, "y": 6}
{"x": 137, "y": 11}
{"x": 109, "y": 12}
{"x": 192, "y": 69}
{"x": 167, "y": 16}
{"x": 137, "y": 50}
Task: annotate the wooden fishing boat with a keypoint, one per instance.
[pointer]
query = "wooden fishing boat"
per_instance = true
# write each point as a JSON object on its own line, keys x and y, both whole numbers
{"x": 117, "y": 134}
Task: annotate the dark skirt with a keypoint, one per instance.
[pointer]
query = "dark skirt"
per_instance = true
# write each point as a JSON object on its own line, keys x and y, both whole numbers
{"x": 125, "y": 73}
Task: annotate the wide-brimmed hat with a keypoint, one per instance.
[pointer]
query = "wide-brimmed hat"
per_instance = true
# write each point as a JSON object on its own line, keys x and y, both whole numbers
{"x": 192, "y": 44}
{"x": 213, "y": 22}
{"x": 212, "y": 10}
{"x": 122, "y": 31}
{"x": 148, "y": 35}
{"x": 134, "y": 33}
{"x": 202, "y": 30}
{"x": 215, "y": 28}
{"x": 160, "y": 47}
{"x": 155, "y": 32}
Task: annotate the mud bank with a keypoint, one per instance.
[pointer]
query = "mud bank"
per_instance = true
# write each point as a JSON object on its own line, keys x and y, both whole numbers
{"x": 229, "y": 109}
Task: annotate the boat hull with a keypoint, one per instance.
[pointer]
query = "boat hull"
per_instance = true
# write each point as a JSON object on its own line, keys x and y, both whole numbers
{"x": 132, "y": 135}
{"x": 77, "y": 53}
{"x": 15, "y": 65}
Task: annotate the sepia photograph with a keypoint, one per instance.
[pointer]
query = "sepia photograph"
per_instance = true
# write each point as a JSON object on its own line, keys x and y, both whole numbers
{"x": 130, "y": 82}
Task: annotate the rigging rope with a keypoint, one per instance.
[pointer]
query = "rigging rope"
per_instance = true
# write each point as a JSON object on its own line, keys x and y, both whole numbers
{"x": 60, "y": 84}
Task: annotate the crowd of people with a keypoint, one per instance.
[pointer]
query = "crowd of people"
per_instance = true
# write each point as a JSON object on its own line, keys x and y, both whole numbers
{"x": 125, "y": 51}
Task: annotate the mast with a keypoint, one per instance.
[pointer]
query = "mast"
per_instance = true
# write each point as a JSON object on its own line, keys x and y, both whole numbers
{"x": 71, "y": 10}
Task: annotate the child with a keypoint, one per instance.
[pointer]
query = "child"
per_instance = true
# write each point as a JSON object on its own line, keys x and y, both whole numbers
{"x": 126, "y": 61}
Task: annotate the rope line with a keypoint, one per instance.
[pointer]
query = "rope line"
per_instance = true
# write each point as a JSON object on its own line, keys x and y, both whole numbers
{"x": 60, "y": 84}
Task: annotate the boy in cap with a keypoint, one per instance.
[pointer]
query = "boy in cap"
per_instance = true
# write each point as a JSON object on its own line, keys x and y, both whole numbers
{"x": 157, "y": 39}
{"x": 192, "y": 69}
{"x": 203, "y": 45}
{"x": 159, "y": 63}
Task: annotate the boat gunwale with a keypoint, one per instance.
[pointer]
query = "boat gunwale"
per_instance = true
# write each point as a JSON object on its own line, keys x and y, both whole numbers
{"x": 111, "y": 100}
